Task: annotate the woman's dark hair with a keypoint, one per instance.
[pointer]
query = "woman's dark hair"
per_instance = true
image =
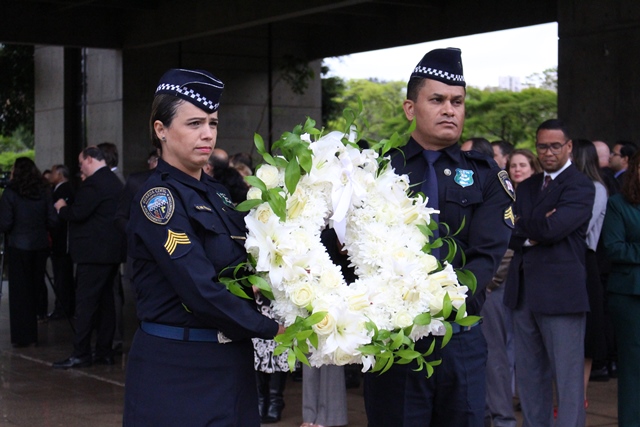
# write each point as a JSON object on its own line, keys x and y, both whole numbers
{"x": 27, "y": 180}
{"x": 164, "y": 109}
{"x": 235, "y": 183}
{"x": 585, "y": 157}
{"x": 631, "y": 182}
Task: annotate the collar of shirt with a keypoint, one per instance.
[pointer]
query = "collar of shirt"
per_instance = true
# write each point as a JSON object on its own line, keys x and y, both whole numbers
{"x": 555, "y": 174}
{"x": 620, "y": 172}
{"x": 165, "y": 169}
{"x": 413, "y": 149}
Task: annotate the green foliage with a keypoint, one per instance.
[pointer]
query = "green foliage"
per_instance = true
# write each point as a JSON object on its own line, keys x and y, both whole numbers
{"x": 506, "y": 115}
{"x": 548, "y": 79}
{"x": 16, "y": 88}
{"x": 382, "y": 114}
{"x": 8, "y": 158}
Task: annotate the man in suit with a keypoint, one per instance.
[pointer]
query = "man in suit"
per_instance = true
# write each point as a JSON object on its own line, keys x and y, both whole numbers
{"x": 546, "y": 286}
{"x": 466, "y": 187}
{"x": 619, "y": 159}
{"x": 63, "y": 281}
{"x": 97, "y": 248}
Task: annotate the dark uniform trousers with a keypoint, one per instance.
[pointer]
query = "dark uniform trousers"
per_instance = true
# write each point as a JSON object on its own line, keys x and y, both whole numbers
{"x": 63, "y": 283}
{"x": 94, "y": 300}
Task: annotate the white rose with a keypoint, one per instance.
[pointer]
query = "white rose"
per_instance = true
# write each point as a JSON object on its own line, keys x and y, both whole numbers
{"x": 341, "y": 357}
{"x": 358, "y": 301}
{"x": 302, "y": 295}
{"x": 402, "y": 319}
{"x": 263, "y": 213}
{"x": 268, "y": 174}
{"x": 254, "y": 193}
{"x": 325, "y": 326}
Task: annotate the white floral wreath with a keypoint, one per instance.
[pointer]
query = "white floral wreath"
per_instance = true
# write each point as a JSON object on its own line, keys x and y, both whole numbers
{"x": 402, "y": 292}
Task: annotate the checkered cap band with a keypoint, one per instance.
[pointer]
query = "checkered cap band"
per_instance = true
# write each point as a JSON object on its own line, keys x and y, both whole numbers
{"x": 433, "y": 72}
{"x": 195, "y": 96}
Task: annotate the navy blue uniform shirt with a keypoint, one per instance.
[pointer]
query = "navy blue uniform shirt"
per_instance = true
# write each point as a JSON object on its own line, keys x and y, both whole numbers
{"x": 182, "y": 234}
{"x": 470, "y": 186}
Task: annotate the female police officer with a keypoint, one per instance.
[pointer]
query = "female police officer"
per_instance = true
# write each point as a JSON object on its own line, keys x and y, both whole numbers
{"x": 191, "y": 361}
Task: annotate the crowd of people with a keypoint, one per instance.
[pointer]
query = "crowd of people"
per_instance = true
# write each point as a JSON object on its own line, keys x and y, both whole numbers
{"x": 550, "y": 236}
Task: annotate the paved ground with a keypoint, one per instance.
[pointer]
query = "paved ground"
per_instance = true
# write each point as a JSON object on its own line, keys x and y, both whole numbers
{"x": 32, "y": 394}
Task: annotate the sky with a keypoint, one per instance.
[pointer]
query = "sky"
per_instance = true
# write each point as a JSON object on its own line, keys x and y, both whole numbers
{"x": 519, "y": 52}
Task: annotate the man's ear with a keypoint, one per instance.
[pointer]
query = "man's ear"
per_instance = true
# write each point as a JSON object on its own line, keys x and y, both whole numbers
{"x": 409, "y": 109}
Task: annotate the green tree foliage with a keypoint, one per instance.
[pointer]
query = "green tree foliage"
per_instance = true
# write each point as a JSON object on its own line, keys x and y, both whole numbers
{"x": 382, "y": 106}
{"x": 16, "y": 88}
{"x": 548, "y": 79}
{"x": 506, "y": 115}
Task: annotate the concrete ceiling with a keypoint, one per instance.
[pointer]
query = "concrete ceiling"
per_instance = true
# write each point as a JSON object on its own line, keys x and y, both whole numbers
{"x": 325, "y": 27}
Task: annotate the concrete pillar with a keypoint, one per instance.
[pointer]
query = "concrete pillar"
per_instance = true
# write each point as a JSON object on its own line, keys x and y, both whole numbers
{"x": 598, "y": 85}
{"x": 49, "y": 106}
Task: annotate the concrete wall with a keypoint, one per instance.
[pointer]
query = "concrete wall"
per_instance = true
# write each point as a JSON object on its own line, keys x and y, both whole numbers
{"x": 598, "y": 68}
{"x": 244, "y": 104}
{"x": 49, "y": 106}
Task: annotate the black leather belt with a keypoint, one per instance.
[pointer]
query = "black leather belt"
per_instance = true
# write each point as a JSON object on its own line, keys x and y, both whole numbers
{"x": 181, "y": 334}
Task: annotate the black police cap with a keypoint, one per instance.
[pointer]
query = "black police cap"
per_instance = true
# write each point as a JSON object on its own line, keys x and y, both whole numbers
{"x": 199, "y": 87}
{"x": 443, "y": 65}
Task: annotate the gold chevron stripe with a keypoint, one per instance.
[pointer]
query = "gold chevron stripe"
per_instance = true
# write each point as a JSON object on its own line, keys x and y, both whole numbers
{"x": 174, "y": 239}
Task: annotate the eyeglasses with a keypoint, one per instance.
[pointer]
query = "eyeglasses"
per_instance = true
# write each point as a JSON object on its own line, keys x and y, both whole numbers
{"x": 555, "y": 147}
{"x": 613, "y": 154}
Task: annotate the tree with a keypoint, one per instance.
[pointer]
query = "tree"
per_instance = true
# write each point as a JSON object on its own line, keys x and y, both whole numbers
{"x": 16, "y": 88}
{"x": 548, "y": 79}
{"x": 506, "y": 115}
{"x": 382, "y": 102}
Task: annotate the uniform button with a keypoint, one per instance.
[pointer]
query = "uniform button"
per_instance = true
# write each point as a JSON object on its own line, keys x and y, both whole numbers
{"x": 464, "y": 201}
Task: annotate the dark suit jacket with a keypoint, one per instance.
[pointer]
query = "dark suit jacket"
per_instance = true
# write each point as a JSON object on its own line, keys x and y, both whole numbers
{"x": 131, "y": 187}
{"x": 552, "y": 272}
{"x": 59, "y": 238}
{"x": 93, "y": 236}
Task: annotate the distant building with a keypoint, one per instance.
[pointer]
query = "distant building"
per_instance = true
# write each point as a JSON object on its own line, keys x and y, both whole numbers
{"x": 511, "y": 83}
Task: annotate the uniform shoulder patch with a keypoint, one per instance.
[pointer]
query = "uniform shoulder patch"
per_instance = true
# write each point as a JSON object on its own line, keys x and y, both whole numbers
{"x": 503, "y": 176}
{"x": 158, "y": 205}
{"x": 509, "y": 218}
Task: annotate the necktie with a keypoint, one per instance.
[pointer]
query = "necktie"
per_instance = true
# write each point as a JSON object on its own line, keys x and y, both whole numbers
{"x": 547, "y": 180}
{"x": 430, "y": 189}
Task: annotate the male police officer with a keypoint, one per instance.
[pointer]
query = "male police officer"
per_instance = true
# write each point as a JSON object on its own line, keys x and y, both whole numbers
{"x": 464, "y": 186}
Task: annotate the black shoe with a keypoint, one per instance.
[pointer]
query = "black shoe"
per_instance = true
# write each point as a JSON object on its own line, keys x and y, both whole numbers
{"x": 600, "y": 375}
{"x": 56, "y": 315}
{"x": 106, "y": 360}
{"x": 73, "y": 362}
{"x": 613, "y": 370}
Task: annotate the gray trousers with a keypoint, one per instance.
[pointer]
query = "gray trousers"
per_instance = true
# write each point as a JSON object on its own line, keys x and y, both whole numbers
{"x": 498, "y": 331}
{"x": 550, "y": 347}
{"x": 324, "y": 395}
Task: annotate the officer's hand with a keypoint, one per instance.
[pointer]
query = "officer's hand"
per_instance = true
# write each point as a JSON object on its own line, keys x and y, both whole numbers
{"x": 281, "y": 329}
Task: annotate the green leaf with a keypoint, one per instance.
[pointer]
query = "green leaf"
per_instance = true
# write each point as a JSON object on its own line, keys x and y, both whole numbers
{"x": 461, "y": 312}
{"x": 408, "y": 354}
{"x": 447, "y": 335}
{"x": 369, "y": 349}
{"x": 303, "y": 335}
{"x": 278, "y": 204}
{"x": 259, "y": 143}
{"x": 315, "y": 318}
{"x": 237, "y": 290}
{"x": 422, "y": 319}
{"x": 467, "y": 278}
{"x": 259, "y": 282}
{"x": 292, "y": 175}
{"x": 247, "y": 205}
{"x": 301, "y": 356}
{"x": 313, "y": 340}
{"x": 397, "y": 340}
{"x": 254, "y": 181}
{"x": 447, "y": 307}
{"x": 468, "y": 321}
{"x": 291, "y": 360}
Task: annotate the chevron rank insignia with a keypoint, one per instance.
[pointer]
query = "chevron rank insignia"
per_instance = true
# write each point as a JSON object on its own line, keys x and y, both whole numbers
{"x": 177, "y": 244}
{"x": 503, "y": 176}
{"x": 158, "y": 205}
{"x": 509, "y": 218}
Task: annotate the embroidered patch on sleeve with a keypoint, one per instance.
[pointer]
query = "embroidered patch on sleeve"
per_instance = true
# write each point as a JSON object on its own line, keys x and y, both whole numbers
{"x": 158, "y": 205}
{"x": 177, "y": 244}
{"x": 503, "y": 176}
{"x": 509, "y": 218}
